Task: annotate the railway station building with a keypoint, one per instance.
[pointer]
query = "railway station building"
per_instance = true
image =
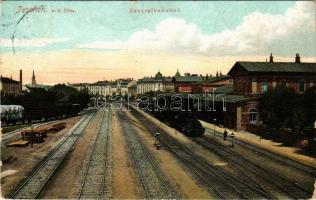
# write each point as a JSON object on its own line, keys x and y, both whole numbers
{"x": 236, "y": 98}
{"x": 252, "y": 79}
{"x": 188, "y": 83}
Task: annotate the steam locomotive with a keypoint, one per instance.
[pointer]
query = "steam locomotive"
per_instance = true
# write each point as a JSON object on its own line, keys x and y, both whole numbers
{"x": 185, "y": 122}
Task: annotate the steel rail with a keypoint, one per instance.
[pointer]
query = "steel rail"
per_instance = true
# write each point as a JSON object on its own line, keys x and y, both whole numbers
{"x": 215, "y": 170}
{"x": 284, "y": 185}
{"x": 31, "y": 188}
{"x": 99, "y": 142}
{"x": 129, "y": 131}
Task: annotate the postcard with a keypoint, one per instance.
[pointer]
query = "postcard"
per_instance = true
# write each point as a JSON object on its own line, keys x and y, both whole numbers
{"x": 158, "y": 99}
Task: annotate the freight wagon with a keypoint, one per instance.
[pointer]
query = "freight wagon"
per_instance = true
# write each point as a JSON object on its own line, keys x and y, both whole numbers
{"x": 37, "y": 112}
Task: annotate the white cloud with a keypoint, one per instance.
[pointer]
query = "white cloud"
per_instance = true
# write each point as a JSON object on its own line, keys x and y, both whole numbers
{"x": 40, "y": 42}
{"x": 255, "y": 31}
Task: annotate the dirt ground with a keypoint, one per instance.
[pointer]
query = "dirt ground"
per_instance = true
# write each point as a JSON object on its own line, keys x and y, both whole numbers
{"x": 124, "y": 182}
{"x": 66, "y": 181}
{"x": 174, "y": 171}
{"x": 20, "y": 161}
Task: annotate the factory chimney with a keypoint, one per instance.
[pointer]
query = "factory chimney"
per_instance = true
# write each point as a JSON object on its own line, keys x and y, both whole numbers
{"x": 20, "y": 80}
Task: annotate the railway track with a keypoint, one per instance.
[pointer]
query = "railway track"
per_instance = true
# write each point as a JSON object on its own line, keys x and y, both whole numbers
{"x": 216, "y": 180}
{"x": 32, "y": 187}
{"x": 153, "y": 181}
{"x": 96, "y": 179}
{"x": 15, "y": 133}
{"x": 255, "y": 171}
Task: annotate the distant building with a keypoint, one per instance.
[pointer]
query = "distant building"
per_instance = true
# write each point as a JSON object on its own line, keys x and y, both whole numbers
{"x": 35, "y": 85}
{"x": 184, "y": 83}
{"x": 193, "y": 83}
{"x": 213, "y": 83}
{"x": 122, "y": 86}
{"x": 157, "y": 83}
{"x": 105, "y": 88}
{"x": 8, "y": 86}
{"x": 99, "y": 88}
{"x": 132, "y": 87}
{"x": 119, "y": 87}
{"x": 78, "y": 86}
{"x": 188, "y": 83}
{"x": 33, "y": 79}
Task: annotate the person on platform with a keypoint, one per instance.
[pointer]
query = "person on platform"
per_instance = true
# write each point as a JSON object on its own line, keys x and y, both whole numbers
{"x": 225, "y": 135}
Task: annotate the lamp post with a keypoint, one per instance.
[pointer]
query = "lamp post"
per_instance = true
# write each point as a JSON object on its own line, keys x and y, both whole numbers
{"x": 214, "y": 121}
{"x": 156, "y": 140}
{"x": 233, "y": 136}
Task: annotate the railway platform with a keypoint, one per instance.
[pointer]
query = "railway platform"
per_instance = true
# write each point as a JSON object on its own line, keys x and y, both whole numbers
{"x": 286, "y": 154}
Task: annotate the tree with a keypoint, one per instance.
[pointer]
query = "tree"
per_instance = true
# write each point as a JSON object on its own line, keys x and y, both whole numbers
{"x": 281, "y": 108}
{"x": 63, "y": 92}
{"x": 308, "y": 107}
{"x": 278, "y": 107}
{"x": 71, "y": 95}
{"x": 82, "y": 98}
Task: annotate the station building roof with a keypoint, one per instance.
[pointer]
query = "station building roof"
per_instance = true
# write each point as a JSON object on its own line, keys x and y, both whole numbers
{"x": 246, "y": 67}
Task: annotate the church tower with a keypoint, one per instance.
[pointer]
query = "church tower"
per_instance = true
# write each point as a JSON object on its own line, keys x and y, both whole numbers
{"x": 33, "y": 78}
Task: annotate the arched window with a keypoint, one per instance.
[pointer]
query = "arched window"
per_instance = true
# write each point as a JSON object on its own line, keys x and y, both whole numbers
{"x": 252, "y": 116}
{"x": 264, "y": 86}
{"x": 301, "y": 86}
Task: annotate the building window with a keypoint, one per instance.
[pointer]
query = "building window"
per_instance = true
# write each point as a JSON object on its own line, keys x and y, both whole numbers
{"x": 264, "y": 86}
{"x": 301, "y": 86}
{"x": 252, "y": 116}
{"x": 283, "y": 83}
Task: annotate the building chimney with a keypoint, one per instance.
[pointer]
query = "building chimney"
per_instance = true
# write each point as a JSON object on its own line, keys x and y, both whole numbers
{"x": 297, "y": 58}
{"x": 271, "y": 58}
{"x": 20, "y": 80}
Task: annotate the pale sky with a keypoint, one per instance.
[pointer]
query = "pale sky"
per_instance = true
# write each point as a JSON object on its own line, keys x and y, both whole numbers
{"x": 104, "y": 40}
